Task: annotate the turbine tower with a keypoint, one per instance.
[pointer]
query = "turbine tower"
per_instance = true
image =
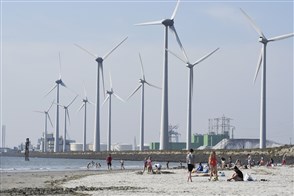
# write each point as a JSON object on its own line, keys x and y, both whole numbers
{"x": 99, "y": 60}
{"x": 262, "y": 64}
{"x": 190, "y": 92}
{"x": 110, "y": 93}
{"x": 47, "y": 116}
{"x": 58, "y": 82}
{"x": 84, "y": 104}
{"x": 66, "y": 115}
{"x": 142, "y": 82}
{"x": 168, "y": 24}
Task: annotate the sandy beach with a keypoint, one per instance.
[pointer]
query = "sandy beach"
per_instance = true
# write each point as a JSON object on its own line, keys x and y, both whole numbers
{"x": 267, "y": 181}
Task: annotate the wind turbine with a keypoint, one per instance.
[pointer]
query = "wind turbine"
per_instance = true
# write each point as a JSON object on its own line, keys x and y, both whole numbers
{"x": 99, "y": 60}
{"x": 168, "y": 24}
{"x": 142, "y": 82}
{"x": 190, "y": 91}
{"x": 47, "y": 116}
{"x": 84, "y": 104}
{"x": 58, "y": 82}
{"x": 262, "y": 58}
{"x": 109, "y": 96}
{"x": 66, "y": 115}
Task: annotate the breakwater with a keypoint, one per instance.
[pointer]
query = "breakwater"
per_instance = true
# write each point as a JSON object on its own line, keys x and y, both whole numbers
{"x": 276, "y": 153}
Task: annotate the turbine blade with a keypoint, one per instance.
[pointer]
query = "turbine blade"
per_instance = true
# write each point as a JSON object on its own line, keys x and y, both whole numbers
{"x": 121, "y": 99}
{"x": 176, "y": 56}
{"x": 179, "y": 42}
{"x": 102, "y": 75}
{"x": 110, "y": 80}
{"x": 134, "y": 91}
{"x": 253, "y": 24}
{"x": 205, "y": 57}
{"x": 72, "y": 101}
{"x": 142, "y": 69}
{"x": 50, "y": 106}
{"x": 153, "y": 85}
{"x": 67, "y": 114}
{"x": 158, "y": 22}
{"x": 91, "y": 102}
{"x": 175, "y": 10}
{"x": 85, "y": 50}
{"x": 39, "y": 111}
{"x": 83, "y": 104}
{"x": 281, "y": 37}
{"x": 59, "y": 65}
{"x": 50, "y": 120}
{"x": 105, "y": 56}
{"x": 105, "y": 100}
{"x": 51, "y": 90}
{"x": 258, "y": 64}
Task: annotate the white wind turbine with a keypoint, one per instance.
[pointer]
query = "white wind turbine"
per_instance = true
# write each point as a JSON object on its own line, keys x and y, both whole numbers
{"x": 190, "y": 91}
{"x": 99, "y": 60}
{"x": 84, "y": 104}
{"x": 109, "y": 96}
{"x": 47, "y": 116}
{"x": 168, "y": 24}
{"x": 142, "y": 82}
{"x": 66, "y": 116}
{"x": 262, "y": 58}
{"x": 58, "y": 82}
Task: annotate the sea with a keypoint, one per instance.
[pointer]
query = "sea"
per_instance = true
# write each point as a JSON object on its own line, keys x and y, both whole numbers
{"x": 18, "y": 164}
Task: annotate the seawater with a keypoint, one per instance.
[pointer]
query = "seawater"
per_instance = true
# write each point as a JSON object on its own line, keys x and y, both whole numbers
{"x": 18, "y": 164}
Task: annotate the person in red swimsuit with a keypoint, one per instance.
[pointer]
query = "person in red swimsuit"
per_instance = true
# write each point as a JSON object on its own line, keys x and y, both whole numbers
{"x": 212, "y": 161}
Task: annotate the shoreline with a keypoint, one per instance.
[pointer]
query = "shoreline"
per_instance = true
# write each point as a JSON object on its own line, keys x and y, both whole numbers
{"x": 268, "y": 181}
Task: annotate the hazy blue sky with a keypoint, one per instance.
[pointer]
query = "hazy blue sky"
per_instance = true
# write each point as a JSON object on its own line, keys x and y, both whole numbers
{"x": 34, "y": 32}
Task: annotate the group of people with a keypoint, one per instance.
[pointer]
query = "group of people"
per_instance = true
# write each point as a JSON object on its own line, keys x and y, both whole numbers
{"x": 148, "y": 166}
{"x": 212, "y": 164}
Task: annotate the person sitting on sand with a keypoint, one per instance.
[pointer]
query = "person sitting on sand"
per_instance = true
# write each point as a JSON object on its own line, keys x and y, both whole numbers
{"x": 199, "y": 168}
{"x": 157, "y": 167}
{"x": 212, "y": 161}
{"x": 237, "y": 175}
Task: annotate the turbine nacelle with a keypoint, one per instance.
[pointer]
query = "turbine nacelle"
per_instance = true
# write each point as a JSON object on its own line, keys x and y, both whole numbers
{"x": 142, "y": 81}
{"x": 109, "y": 92}
{"x": 168, "y": 22}
{"x": 99, "y": 60}
{"x": 263, "y": 40}
{"x": 189, "y": 65}
{"x": 58, "y": 81}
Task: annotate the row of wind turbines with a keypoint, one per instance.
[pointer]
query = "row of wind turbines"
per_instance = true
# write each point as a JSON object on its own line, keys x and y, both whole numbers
{"x": 168, "y": 25}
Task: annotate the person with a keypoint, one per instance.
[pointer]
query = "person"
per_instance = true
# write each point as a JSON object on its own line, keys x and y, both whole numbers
{"x": 167, "y": 165}
{"x": 149, "y": 165}
{"x": 98, "y": 165}
{"x": 238, "y": 163}
{"x": 122, "y": 162}
{"x": 223, "y": 161}
{"x": 199, "y": 168}
{"x": 27, "y": 145}
{"x": 145, "y": 165}
{"x": 249, "y": 161}
{"x": 157, "y": 167}
{"x": 190, "y": 163}
{"x": 284, "y": 159}
{"x": 261, "y": 162}
{"x": 108, "y": 161}
{"x": 212, "y": 161}
{"x": 237, "y": 175}
{"x": 230, "y": 163}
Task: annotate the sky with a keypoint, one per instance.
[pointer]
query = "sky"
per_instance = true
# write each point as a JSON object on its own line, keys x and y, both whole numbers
{"x": 33, "y": 33}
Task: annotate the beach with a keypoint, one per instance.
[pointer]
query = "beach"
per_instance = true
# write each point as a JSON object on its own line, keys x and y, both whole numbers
{"x": 278, "y": 180}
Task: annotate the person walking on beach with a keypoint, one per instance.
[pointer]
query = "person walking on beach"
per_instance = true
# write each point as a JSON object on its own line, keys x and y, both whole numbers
{"x": 212, "y": 161}
{"x": 190, "y": 163}
{"x": 122, "y": 162}
{"x": 108, "y": 161}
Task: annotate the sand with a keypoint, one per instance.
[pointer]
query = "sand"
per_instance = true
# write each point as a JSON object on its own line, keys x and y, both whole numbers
{"x": 268, "y": 181}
